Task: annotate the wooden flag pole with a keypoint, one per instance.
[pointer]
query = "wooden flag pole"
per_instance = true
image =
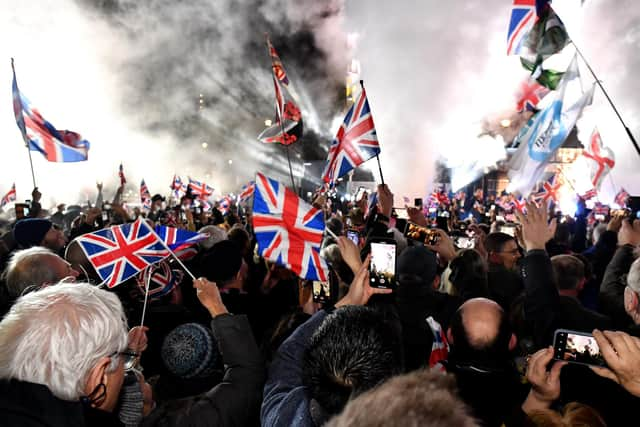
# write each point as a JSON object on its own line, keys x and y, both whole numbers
{"x": 606, "y": 94}
{"x": 23, "y": 131}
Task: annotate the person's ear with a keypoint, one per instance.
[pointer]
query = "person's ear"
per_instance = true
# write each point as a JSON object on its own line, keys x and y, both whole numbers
{"x": 513, "y": 341}
{"x": 97, "y": 375}
{"x": 581, "y": 284}
{"x": 630, "y": 300}
{"x": 449, "y": 336}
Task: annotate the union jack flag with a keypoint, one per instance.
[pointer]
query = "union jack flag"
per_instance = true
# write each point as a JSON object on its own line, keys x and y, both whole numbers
{"x": 177, "y": 239}
{"x": 9, "y": 197}
{"x": 440, "y": 198}
{"x": 163, "y": 280}
{"x": 118, "y": 253}
{"x": 247, "y": 191}
{"x": 523, "y": 16}
{"x": 600, "y": 209}
{"x": 520, "y": 204}
{"x": 529, "y": 95}
{"x": 589, "y": 194}
{"x": 224, "y": 204}
{"x": 288, "y": 230}
{"x": 288, "y": 115}
{"x": 40, "y": 135}
{"x": 179, "y": 188}
{"x": 621, "y": 198}
{"x": 200, "y": 189}
{"x": 355, "y": 143}
{"x": 123, "y": 180}
{"x": 550, "y": 190}
{"x": 440, "y": 346}
{"x": 145, "y": 196}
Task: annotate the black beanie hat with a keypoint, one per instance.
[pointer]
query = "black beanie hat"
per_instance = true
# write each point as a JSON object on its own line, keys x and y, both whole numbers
{"x": 30, "y": 232}
{"x": 222, "y": 262}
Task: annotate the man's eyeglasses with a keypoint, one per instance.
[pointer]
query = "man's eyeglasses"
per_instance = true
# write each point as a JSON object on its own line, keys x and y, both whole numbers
{"x": 130, "y": 359}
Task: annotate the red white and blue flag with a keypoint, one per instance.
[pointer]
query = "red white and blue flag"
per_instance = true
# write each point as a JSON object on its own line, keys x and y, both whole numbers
{"x": 589, "y": 194}
{"x": 439, "y": 346}
{"x": 550, "y": 190}
{"x": 621, "y": 198}
{"x": 200, "y": 189}
{"x": 120, "y": 252}
{"x": 600, "y": 159}
{"x": 529, "y": 95}
{"x": 40, "y": 135}
{"x": 9, "y": 197}
{"x": 247, "y": 191}
{"x": 523, "y": 16}
{"x": 123, "y": 180}
{"x": 355, "y": 143}
{"x": 224, "y": 204}
{"x": 520, "y": 204}
{"x": 178, "y": 239}
{"x": 600, "y": 209}
{"x": 145, "y": 196}
{"x": 179, "y": 188}
{"x": 288, "y": 230}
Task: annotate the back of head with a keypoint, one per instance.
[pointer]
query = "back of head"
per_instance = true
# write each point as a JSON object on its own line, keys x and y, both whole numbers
{"x": 28, "y": 269}
{"x": 421, "y": 398}
{"x": 568, "y": 271}
{"x": 55, "y": 336}
{"x": 597, "y": 232}
{"x": 222, "y": 262}
{"x": 481, "y": 334}
{"x": 351, "y": 352}
{"x": 241, "y": 238}
{"x": 31, "y": 231}
{"x": 573, "y": 414}
{"x": 563, "y": 234}
{"x": 417, "y": 264}
{"x": 216, "y": 234}
{"x": 469, "y": 275}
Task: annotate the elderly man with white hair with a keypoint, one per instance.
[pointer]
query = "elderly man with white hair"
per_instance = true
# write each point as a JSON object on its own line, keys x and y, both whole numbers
{"x": 62, "y": 357}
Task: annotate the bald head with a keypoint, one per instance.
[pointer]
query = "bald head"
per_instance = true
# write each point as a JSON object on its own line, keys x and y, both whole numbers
{"x": 480, "y": 332}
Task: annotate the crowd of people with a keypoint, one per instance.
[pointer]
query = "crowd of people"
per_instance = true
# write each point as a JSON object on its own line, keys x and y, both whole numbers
{"x": 465, "y": 338}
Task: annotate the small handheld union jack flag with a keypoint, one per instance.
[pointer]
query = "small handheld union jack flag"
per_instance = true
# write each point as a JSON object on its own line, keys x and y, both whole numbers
{"x": 9, "y": 197}
{"x": 550, "y": 190}
{"x": 523, "y": 16}
{"x": 247, "y": 192}
{"x": 162, "y": 282}
{"x": 123, "y": 180}
{"x": 355, "y": 143}
{"x": 621, "y": 198}
{"x": 179, "y": 188}
{"x": 145, "y": 196}
{"x": 200, "y": 189}
{"x": 288, "y": 230}
{"x": 120, "y": 252}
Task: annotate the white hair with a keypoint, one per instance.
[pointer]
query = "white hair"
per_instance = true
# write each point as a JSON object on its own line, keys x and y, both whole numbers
{"x": 633, "y": 278}
{"x": 216, "y": 234}
{"x": 25, "y": 269}
{"x": 55, "y": 336}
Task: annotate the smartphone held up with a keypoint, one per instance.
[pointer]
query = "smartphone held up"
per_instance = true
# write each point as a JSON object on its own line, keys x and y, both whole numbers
{"x": 577, "y": 347}
{"x": 382, "y": 268}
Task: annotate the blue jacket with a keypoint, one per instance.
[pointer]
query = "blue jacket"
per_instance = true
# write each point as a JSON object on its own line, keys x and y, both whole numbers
{"x": 286, "y": 401}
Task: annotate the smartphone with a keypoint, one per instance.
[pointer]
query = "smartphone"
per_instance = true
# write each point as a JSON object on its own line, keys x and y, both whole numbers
{"x": 183, "y": 216}
{"x": 417, "y": 202}
{"x": 354, "y": 236}
{"x": 577, "y": 347}
{"x": 106, "y": 207}
{"x": 463, "y": 242}
{"x": 197, "y": 210}
{"x": 401, "y": 213}
{"x": 360, "y": 193}
{"x": 600, "y": 217}
{"x": 382, "y": 269}
{"x": 422, "y": 234}
{"x": 326, "y": 292}
{"x": 105, "y": 216}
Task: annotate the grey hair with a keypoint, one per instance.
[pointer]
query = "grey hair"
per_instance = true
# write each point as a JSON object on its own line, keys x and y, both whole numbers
{"x": 597, "y": 232}
{"x": 26, "y": 269}
{"x": 216, "y": 234}
{"x": 633, "y": 278}
{"x": 57, "y": 335}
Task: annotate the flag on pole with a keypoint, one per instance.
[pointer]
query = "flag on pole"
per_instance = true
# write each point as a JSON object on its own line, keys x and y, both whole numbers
{"x": 529, "y": 95}
{"x": 123, "y": 180}
{"x": 40, "y": 135}
{"x": 355, "y": 143}
{"x": 547, "y": 37}
{"x": 200, "y": 189}
{"x": 178, "y": 188}
{"x": 545, "y": 132}
{"x": 145, "y": 196}
{"x": 120, "y": 252}
{"x": 178, "y": 239}
{"x": 287, "y": 128}
{"x": 9, "y": 197}
{"x": 600, "y": 159}
{"x": 547, "y": 78}
{"x": 589, "y": 194}
{"x": 247, "y": 191}
{"x": 621, "y": 198}
{"x": 523, "y": 16}
{"x": 549, "y": 190}
{"x": 288, "y": 230}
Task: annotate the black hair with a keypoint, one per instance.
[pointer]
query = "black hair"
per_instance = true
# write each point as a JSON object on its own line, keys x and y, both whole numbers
{"x": 568, "y": 271}
{"x": 494, "y": 352}
{"x": 469, "y": 275}
{"x": 351, "y": 352}
{"x": 495, "y": 242}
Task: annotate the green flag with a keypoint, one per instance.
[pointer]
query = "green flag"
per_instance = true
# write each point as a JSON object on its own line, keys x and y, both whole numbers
{"x": 547, "y": 37}
{"x": 547, "y": 78}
